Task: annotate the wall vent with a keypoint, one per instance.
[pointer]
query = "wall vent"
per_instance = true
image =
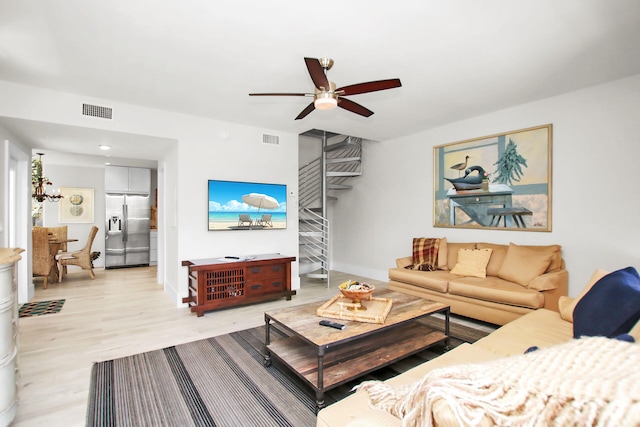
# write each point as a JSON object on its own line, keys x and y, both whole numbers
{"x": 270, "y": 139}
{"x": 97, "y": 111}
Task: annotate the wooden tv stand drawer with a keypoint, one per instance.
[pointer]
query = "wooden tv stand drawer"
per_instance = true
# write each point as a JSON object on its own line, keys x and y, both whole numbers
{"x": 216, "y": 283}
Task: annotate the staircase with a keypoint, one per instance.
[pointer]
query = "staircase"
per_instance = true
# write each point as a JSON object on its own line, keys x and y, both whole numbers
{"x": 319, "y": 181}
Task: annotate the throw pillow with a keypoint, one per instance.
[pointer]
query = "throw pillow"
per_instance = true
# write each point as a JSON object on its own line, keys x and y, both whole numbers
{"x": 522, "y": 264}
{"x": 497, "y": 256}
{"x": 635, "y": 331}
{"x": 452, "y": 252}
{"x": 472, "y": 262}
{"x": 567, "y": 305}
{"x": 611, "y": 307}
{"x": 425, "y": 254}
{"x": 556, "y": 259}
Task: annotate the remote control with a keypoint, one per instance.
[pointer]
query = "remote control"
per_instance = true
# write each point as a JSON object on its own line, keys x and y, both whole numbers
{"x": 332, "y": 324}
{"x": 232, "y": 257}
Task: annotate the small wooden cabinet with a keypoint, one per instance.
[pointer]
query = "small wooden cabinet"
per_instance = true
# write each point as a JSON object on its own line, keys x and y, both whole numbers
{"x": 216, "y": 283}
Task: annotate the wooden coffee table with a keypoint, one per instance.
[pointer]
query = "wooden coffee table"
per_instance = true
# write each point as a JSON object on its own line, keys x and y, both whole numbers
{"x": 326, "y": 357}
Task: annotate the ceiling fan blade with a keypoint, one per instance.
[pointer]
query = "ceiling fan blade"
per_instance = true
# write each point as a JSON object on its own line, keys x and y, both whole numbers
{"x": 354, "y": 107}
{"x": 306, "y": 111}
{"x": 280, "y": 94}
{"x": 370, "y": 86}
{"x": 317, "y": 73}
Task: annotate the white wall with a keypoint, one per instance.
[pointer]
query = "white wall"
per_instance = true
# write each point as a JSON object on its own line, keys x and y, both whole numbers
{"x": 15, "y": 202}
{"x": 201, "y": 153}
{"x": 77, "y": 177}
{"x": 596, "y": 200}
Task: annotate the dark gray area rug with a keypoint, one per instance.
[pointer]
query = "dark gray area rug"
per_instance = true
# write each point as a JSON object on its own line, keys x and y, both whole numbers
{"x": 220, "y": 381}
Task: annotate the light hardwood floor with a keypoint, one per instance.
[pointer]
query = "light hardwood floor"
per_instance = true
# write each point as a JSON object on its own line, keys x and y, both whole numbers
{"x": 120, "y": 313}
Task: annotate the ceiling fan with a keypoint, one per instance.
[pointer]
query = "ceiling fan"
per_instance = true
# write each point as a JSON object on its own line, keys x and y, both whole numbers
{"x": 326, "y": 96}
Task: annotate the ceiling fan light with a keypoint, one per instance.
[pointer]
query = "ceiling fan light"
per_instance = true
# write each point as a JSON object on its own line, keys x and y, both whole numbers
{"x": 325, "y": 102}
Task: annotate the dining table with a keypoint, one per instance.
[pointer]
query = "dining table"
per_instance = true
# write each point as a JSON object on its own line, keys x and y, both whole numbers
{"x": 54, "y": 247}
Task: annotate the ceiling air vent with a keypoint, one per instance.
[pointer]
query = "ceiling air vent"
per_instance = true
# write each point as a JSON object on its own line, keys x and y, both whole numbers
{"x": 97, "y": 111}
{"x": 270, "y": 139}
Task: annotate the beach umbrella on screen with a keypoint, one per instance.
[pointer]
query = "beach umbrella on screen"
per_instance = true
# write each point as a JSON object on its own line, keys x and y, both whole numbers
{"x": 260, "y": 201}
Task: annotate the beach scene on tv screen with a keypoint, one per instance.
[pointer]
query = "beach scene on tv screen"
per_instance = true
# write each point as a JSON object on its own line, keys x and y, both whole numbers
{"x": 237, "y": 205}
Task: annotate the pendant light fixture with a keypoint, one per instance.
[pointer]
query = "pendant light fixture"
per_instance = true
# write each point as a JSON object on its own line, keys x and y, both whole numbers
{"x": 39, "y": 181}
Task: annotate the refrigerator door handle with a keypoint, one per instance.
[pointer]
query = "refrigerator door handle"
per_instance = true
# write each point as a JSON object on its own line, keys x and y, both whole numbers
{"x": 125, "y": 217}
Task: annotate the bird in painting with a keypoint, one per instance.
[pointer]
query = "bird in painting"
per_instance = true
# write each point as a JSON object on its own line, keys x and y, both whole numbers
{"x": 469, "y": 181}
{"x": 461, "y": 166}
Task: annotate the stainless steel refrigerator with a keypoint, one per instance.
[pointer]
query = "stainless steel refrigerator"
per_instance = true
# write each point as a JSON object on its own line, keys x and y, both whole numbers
{"x": 127, "y": 230}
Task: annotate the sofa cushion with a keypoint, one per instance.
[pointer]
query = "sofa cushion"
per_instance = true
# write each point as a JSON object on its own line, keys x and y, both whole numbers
{"x": 354, "y": 410}
{"x": 472, "y": 262}
{"x": 443, "y": 252}
{"x": 497, "y": 290}
{"x": 554, "y": 250}
{"x": 452, "y": 252}
{"x": 611, "y": 307}
{"x": 497, "y": 256}
{"x": 542, "y": 328}
{"x": 425, "y": 253}
{"x": 542, "y": 388}
{"x": 522, "y": 264}
{"x": 567, "y": 304}
{"x": 434, "y": 280}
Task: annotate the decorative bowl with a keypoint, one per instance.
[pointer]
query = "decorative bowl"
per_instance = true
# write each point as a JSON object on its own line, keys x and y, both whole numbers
{"x": 356, "y": 291}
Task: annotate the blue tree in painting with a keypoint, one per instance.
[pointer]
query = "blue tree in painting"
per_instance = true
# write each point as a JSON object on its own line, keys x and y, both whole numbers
{"x": 509, "y": 166}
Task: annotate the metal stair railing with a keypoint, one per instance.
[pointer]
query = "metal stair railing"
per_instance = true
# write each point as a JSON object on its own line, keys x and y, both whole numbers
{"x": 339, "y": 162}
{"x": 310, "y": 183}
{"x": 314, "y": 242}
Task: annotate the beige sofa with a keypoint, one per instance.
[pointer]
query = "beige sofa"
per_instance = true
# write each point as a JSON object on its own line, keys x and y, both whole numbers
{"x": 519, "y": 279}
{"x": 542, "y": 328}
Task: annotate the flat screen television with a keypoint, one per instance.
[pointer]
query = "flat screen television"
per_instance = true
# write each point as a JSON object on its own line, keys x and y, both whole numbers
{"x": 236, "y": 205}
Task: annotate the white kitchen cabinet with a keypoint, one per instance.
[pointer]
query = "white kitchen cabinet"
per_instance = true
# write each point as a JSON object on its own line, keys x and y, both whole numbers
{"x": 124, "y": 179}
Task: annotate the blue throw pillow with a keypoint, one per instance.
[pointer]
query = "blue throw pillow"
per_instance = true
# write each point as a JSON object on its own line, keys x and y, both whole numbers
{"x": 611, "y": 307}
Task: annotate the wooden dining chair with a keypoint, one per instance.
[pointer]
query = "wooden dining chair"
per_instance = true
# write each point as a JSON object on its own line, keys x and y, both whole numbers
{"x": 81, "y": 258}
{"x": 59, "y": 234}
{"x": 42, "y": 257}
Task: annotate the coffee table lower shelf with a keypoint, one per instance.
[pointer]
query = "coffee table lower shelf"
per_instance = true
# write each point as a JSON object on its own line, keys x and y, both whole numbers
{"x": 324, "y": 369}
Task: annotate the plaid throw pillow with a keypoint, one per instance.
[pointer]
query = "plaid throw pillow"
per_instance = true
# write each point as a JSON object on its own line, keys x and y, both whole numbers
{"x": 425, "y": 254}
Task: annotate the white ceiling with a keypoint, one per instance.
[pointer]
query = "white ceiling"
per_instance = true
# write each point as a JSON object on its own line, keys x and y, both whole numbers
{"x": 456, "y": 59}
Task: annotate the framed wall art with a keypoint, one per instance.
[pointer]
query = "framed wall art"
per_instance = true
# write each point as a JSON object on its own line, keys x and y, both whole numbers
{"x": 499, "y": 182}
{"x": 76, "y": 205}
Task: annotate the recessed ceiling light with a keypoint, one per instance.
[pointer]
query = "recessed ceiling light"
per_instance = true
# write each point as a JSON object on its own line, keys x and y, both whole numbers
{"x": 105, "y": 147}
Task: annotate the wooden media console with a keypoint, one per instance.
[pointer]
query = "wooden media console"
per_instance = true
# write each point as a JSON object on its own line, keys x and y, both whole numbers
{"x": 216, "y": 283}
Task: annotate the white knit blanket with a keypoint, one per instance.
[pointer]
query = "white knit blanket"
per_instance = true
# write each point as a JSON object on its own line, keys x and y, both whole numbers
{"x": 591, "y": 381}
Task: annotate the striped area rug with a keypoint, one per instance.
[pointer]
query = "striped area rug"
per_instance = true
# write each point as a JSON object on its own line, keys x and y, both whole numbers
{"x": 219, "y": 381}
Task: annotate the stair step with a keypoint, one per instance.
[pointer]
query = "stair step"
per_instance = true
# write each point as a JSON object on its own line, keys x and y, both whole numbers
{"x": 343, "y": 160}
{"x": 339, "y": 187}
{"x": 348, "y": 142}
{"x": 352, "y": 173}
{"x": 317, "y": 275}
{"x": 310, "y": 233}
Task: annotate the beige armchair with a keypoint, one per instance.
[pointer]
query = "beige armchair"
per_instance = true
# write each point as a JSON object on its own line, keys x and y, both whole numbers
{"x": 42, "y": 258}
{"x": 81, "y": 258}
